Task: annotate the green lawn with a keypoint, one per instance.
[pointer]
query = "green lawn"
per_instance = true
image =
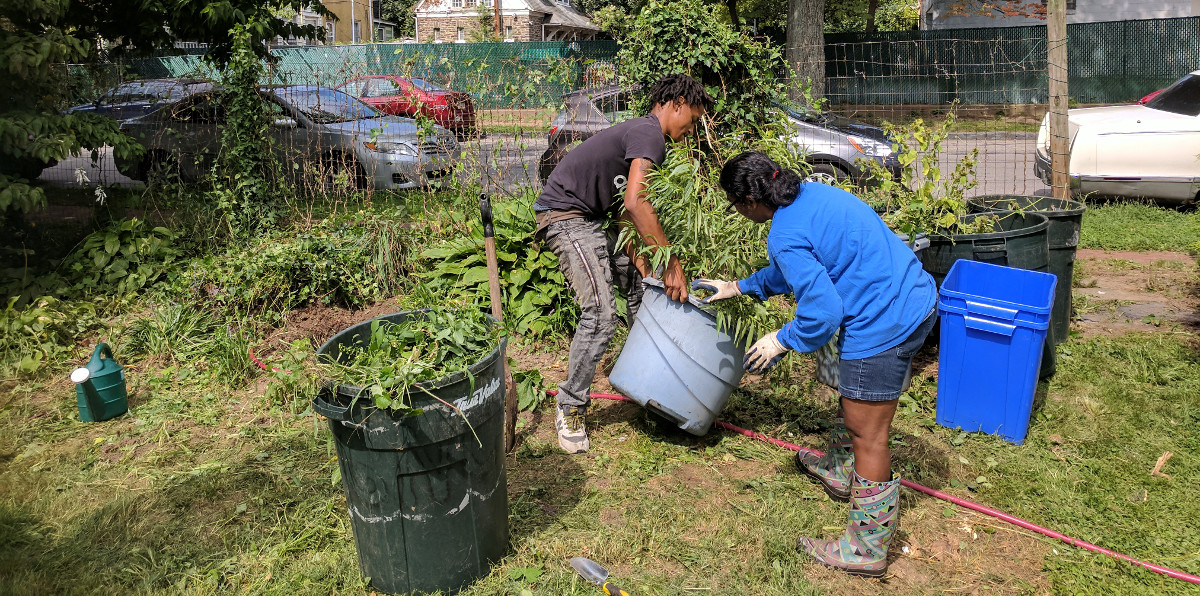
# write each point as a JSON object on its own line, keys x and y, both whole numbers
{"x": 1138, "y": 226}
{"x": 220, "y": 480}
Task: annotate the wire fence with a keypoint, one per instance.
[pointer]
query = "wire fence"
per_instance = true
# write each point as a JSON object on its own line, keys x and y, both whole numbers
{"x": 996, "y": 80}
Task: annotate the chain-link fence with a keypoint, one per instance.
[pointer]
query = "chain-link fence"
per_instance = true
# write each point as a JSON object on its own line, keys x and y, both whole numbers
{"x": 1109, "y": 62}
{"x": 997, "y": 78}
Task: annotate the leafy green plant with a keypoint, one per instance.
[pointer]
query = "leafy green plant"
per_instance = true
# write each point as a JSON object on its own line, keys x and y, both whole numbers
{"x": 709, "y": 239}
{"x": 247, "y": 176}
{"x": 41, "y": 332}
{"x": 925, "y": 199}
{"x": 122, "y": 259}
{"x": 537, "y": 300}
{"x": 531, "y": 386}
{"x": 398, "y": 357}
{"x": 687, "y": 36}
{"x": 348, "y": 260}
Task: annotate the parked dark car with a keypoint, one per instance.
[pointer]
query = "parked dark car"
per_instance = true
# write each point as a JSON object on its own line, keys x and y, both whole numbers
{"x": 316, "y": 131}
{"x": 138, "y": 98}
{"x": 408, "y": 97}
{"x": 833, "y": 144}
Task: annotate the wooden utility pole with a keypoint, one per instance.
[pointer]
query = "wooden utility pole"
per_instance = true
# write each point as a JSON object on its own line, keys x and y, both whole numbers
{"x": 497, "y": 20}
{"x": 1056, "y": 46}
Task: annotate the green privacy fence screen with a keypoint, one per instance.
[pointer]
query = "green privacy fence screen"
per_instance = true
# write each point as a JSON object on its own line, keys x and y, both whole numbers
{"x": 498, "y": 75}
{"x": 1108, "y": 62}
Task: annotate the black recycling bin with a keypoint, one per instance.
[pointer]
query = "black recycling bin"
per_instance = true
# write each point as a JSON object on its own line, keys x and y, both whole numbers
{"x": 427, "y": 496}
{"x": 1066, "y": 218}
{"x": 1018, "y": 241}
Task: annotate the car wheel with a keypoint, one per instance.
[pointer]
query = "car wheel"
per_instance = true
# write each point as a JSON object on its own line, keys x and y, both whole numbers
{"x": 827, "y": 174}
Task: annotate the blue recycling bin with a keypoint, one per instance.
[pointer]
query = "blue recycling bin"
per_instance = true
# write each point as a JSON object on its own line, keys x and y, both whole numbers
{"x": 994, "y": 322}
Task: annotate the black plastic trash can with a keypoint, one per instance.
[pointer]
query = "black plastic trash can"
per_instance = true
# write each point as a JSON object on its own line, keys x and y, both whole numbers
{"x": 427, "y": 494}
{"x": 1019, "y": 240}
{"x": 1066, "y": 218}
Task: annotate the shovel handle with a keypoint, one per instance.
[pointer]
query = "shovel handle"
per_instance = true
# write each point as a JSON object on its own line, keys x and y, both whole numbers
{"x": 612, "y": 590}
{"x": 485, "y": 214}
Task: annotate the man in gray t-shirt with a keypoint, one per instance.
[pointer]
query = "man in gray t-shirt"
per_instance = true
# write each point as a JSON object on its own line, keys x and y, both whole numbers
{"x": 602, "y": 177}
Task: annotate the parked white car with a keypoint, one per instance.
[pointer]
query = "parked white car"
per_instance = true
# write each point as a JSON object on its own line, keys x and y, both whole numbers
{"x": 1134, "y": 150}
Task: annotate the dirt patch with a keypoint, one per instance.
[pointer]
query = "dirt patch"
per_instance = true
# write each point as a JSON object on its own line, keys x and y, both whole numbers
{"x": 1135, "y": 291}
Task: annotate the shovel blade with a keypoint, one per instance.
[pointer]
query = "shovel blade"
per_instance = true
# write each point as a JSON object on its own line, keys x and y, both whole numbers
{"x": 589, "y": 570}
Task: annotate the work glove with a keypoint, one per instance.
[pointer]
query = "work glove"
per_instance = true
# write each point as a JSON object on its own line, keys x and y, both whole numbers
{"x": 722, "y": 290}
{"x": 764, "y": 354}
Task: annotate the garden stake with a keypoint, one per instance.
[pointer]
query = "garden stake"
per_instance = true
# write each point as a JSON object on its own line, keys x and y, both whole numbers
{"x": 510, "y": 388}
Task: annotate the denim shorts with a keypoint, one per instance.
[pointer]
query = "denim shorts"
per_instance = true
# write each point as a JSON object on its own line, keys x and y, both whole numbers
{"x": 881, "y": 377}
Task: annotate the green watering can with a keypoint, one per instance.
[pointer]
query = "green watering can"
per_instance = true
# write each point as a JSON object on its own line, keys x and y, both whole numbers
{"x": 100, "y": 386}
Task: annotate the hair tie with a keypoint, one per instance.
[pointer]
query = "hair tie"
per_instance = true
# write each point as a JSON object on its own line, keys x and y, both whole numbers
{"x": 774, "y": 174}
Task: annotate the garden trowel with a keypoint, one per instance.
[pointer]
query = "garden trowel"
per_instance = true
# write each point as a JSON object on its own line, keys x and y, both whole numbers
{"x": 493, "y": 269}
{"x": 593, "y": 572}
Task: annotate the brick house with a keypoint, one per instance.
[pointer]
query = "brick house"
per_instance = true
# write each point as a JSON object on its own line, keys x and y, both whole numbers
{"x": 520, "y": 21}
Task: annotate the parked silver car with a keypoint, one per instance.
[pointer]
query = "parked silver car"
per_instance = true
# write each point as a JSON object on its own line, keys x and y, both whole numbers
{"x": 317, "y": 132}
{"x": 833, "y": 144}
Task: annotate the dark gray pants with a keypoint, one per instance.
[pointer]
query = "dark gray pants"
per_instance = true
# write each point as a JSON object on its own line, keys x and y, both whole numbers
{"x": 588, "y": 257}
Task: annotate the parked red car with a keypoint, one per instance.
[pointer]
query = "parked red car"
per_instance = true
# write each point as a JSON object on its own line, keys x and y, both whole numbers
{"x": 405, "y": 97}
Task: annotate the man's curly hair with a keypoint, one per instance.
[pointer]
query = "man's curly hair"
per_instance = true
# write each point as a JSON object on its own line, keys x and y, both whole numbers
{"x": 672, "y": 87}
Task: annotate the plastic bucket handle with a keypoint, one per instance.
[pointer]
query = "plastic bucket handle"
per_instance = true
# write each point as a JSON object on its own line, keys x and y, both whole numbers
{"x": 328, "y": 409}
{"x": 102, "y": 350}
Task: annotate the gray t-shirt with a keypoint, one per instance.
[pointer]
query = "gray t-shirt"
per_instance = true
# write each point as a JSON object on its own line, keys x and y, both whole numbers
{"x": 591, "y": 175}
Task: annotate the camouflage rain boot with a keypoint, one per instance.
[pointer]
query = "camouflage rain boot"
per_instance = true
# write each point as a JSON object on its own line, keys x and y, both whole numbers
{"x": 833, "y": 470}
{"x": 874, "y": 517}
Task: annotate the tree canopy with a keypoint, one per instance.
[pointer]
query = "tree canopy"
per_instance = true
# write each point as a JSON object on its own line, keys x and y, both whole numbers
{"x": 41, "y": 37}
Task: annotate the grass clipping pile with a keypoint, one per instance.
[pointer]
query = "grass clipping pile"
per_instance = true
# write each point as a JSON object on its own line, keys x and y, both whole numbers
{"x": 399, "y": 358}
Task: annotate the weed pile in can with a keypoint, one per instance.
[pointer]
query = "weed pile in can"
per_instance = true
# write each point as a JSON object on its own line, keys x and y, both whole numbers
{"x": 401, "y": 356}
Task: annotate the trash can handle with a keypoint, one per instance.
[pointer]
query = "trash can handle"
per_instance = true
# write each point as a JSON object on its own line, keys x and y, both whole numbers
{"x": 325, "y": 407}
{"x": 982, "y": 250}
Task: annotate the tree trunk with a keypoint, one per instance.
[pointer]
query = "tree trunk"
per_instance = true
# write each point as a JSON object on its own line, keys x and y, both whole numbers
{"x": 733, "y": 14}
{"x": 872, "y": 8}
{"x": 806, "y": 46}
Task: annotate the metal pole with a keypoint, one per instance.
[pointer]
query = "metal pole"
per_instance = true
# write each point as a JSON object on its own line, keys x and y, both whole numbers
{"x": 1056, "y": 46}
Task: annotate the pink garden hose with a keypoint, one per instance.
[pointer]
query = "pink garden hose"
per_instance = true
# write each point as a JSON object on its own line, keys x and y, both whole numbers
{"x": 959, "y": 501}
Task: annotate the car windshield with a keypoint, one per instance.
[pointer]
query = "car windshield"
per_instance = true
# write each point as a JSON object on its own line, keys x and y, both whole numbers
{"x": 1183, "y": 97}
{"x": 324, "y": 105}
{"x": 425, "y": 86}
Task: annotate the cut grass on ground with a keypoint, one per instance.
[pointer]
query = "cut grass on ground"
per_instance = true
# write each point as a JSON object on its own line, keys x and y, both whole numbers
{"x": 1138, "y": 227}
{"x": 202, "y": 489}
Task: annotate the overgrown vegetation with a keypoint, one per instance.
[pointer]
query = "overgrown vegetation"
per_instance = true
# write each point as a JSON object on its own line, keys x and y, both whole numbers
{"x": 536, "y": 298}
{"x": 925, "y": 199}
{"x": 397, "y": 357}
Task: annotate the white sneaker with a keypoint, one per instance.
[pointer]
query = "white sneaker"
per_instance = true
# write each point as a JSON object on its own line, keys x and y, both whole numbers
{"x": 572, "y": 433}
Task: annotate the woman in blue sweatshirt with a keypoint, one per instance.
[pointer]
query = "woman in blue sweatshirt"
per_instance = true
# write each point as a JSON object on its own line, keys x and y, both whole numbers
{"x": 847, "y": 271}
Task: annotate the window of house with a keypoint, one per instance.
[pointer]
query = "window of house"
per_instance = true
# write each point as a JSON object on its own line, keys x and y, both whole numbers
{"x": 508, "y": 32}
{"x": 457, "y": 3}
{"x": 462, "y": 34}
{"x": 470, "y": 3}
{"x": 437, "y": 34}
{"x": 356, "y": 33}
{"x": 329, "y": 34}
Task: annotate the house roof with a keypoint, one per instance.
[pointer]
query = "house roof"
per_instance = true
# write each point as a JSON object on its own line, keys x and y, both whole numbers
{"x": 561, "y": 14}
